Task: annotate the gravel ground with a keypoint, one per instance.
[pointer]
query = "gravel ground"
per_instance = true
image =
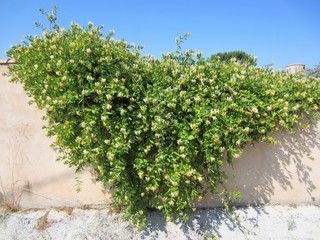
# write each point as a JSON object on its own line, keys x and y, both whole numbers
{"x": 269, "y": 222}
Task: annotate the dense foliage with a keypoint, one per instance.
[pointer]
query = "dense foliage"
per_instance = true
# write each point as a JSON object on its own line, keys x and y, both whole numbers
{"x": 154, "y": 130}
{"x": 238, "y": 55}
{"x": 314, "y": 72}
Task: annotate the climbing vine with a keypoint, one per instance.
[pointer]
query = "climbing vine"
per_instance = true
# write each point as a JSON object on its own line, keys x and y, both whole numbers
{"x": 154, "y": 129}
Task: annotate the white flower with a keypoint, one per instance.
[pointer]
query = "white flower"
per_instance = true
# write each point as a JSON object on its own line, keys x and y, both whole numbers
{"x": 51, "y": 56}
{"x": 36, "y": 66}
{"x": 296, "y": 107}
{"x": 147, "y": 179}
{"x": 137, "y": 132}
{"x": 109, "y": 97}
{"x": 197, "y": 99}
{"x": 255, "y": 110}
{"x": 89, "y": 78}
{"x": 85, "y": 152}
{"x": 246, "y": 130}
{"x": 103, "y": 118}
{"x": 88, "y": 50}
{"x": 109, "y": 106}
{"x": 182, "y": 93}
{"x": 236, "y": 155}
{"x": 110, "y": 155}
{"x": 122, "y": 111}
{"x": 45, "y": 33}
{"x": 174, "y": 194}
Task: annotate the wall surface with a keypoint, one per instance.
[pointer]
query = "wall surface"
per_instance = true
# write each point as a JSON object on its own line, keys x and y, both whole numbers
{"x": 30, "y": 175}
{"x": 27, "y": 162}
{"x": 295, "y": 68}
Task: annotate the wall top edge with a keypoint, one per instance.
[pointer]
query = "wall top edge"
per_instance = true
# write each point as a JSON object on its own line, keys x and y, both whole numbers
{"x": 7, "y": 61}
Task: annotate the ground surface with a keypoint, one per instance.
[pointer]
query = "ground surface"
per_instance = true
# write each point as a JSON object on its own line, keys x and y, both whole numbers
{"x": 269, "y": 222}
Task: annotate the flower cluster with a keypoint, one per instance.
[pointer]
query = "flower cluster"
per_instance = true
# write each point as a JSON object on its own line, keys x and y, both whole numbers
{"x": 154, "y": 129}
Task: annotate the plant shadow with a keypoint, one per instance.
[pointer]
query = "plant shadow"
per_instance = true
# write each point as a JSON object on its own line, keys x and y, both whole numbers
{"x": 205, "y": 223}
{"x": 262, "y": 173}
{"x": 268, "y": 171}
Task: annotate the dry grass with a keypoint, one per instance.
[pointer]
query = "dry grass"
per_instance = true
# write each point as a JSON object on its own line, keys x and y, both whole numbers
{"x": 11, "y": 189}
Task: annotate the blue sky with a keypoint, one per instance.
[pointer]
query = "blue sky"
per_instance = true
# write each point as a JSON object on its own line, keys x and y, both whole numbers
{"x": 276, "y": 31}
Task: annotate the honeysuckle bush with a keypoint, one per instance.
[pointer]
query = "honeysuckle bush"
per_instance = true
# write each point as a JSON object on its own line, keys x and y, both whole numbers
{"x": 156, "y": 131}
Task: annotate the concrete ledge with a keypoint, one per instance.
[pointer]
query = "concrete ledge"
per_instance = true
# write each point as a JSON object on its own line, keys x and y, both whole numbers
{"x": 269, "y": 222}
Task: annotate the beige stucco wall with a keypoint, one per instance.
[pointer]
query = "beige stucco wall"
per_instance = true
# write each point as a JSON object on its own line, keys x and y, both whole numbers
{"x": 283, "y": 173}
{"x": 27, "y": 159}
{"x": 273, "y": 174}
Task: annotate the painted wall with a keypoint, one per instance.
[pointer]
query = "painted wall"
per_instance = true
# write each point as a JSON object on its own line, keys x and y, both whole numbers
{"x": 295, "y": 68}
{"x": 30, "y": 175}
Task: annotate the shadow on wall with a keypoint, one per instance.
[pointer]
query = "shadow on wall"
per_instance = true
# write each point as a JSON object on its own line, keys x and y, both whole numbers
{"x": 282, "y": 173}
{"x": 274, "y": 173}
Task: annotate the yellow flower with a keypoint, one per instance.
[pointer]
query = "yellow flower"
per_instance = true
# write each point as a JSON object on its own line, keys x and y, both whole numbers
{"x": 154, "y": 188}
